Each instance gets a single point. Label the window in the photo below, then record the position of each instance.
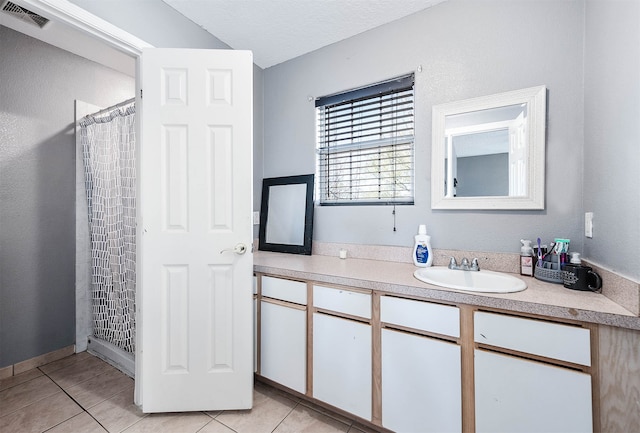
(365, 145)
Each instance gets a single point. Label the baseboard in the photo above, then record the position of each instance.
(37, 361)
(112, 354)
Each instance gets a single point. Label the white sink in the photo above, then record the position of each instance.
(470, 281)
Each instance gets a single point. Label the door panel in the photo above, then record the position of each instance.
(194, 339)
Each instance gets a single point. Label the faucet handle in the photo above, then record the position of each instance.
(474, 264)
(452, 263)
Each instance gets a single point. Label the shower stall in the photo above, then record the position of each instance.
(106, 224)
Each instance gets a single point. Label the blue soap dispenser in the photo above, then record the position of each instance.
(422, 252)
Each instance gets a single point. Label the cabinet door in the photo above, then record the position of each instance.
(283, 346)
(517, 395)
(342, 364)
(421, 384)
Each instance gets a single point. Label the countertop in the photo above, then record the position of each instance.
(540, 298)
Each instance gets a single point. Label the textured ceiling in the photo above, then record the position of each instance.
(279, 30)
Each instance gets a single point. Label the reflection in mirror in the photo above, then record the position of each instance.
(488, 153)
(485, 152)
(286, 216)
(285, 220)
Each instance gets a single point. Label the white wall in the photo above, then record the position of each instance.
(467, 48)
(612, 133)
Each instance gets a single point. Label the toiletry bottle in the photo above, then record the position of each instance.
(575, 258)
(526, 258)
(422, 252)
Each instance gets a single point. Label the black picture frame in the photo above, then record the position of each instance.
(299, 202)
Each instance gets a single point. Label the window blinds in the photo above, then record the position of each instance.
(365, 145)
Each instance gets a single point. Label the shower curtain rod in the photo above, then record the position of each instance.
(113, 107)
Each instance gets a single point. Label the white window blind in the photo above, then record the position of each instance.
(365, 145)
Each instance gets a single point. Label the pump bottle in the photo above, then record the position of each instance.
(526, 258)
(422, 252)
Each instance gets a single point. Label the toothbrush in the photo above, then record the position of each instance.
(550, 250)
(539, 250)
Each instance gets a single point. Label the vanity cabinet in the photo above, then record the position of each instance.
(528, 375)
(283, 332)
(413, 365)
(420, 375)
(342, 374)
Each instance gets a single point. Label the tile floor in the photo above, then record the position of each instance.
(83, 394)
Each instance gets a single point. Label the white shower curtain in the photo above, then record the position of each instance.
(108, 143)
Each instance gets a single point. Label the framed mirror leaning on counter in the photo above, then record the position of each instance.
(286, 214)
(489, 152)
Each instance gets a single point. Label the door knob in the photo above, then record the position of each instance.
(238, 249)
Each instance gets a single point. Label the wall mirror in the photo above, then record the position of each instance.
(489, 152)
(286, 214)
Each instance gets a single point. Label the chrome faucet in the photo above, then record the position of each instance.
(464, 266)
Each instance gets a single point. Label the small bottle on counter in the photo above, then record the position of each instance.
(422, 253)
(526, 258)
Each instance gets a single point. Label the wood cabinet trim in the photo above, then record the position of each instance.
(467, 369)
(310, 341)
(376, 362)
(409, 330)
(341, 315)
(284, 303)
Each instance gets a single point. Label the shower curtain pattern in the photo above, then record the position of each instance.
(108, 144)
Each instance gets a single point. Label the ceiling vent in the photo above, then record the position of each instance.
(24, 14)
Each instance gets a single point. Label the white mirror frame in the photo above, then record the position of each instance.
(536, 100)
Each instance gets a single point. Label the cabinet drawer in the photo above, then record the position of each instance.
(553, 340)
(342, 301)
(425, 316)
(285, 290)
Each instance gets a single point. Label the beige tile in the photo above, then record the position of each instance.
(82, 423)
(65, 362)
(26, 393)
(99, 388)
(118, 412)
(269, 409)
(215, 427)
(190, 422)
(32, 363)
(303, 419)
(19, 378)
(41, 415)
(79, 372)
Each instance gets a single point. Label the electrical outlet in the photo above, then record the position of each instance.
(256, 217)
(588, 224)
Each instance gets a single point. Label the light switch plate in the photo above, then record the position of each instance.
(588, 224)
(256, 217)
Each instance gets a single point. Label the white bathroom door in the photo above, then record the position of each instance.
(194, 319)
